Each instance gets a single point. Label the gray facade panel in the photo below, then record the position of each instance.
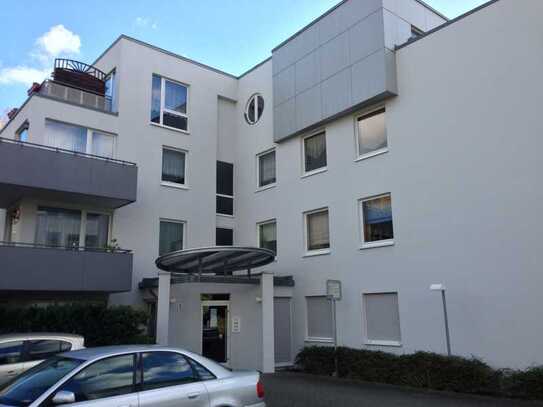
(336, 93)
(284, 85)
(308, 107)
(63, 176)
(334, 56)
(366, 37)
(47, 269)
(307, 72)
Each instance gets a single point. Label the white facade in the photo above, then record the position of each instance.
(460, 167)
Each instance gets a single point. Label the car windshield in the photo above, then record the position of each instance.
(28, 386)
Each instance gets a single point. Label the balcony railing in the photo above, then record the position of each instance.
(74, 248)
(62, 150)
(71, 94)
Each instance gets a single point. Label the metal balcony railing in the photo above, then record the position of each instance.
(81, 67)
(75, 248)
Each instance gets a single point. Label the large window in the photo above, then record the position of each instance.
(319, 319)
(171, 236)
(79, 139)
(169, 103)
(163, 369)
(64, 228)
(314, 153)
(106, 378)
(372, 134)
(317, 231)
(382, 319)
(377, 227)
(173, 166)
(225, 188)
(266, 169)
(267, 235)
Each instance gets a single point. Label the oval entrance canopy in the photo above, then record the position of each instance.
(215, 260)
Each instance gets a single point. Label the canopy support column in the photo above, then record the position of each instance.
(268, 333)
(163, 308)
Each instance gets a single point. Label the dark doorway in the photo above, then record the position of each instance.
(214, 331)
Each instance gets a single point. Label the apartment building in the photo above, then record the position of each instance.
(381, 145)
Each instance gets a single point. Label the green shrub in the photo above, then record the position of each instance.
(423, 370)
(98, 324)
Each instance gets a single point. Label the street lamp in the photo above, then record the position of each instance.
(441, 287)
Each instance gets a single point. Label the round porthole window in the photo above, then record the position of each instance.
(254, 108)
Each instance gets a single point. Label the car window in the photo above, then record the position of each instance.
(10, 352)
(109, 377)
(161, 369)
(202, 372)
(30, 385)
(45, 348)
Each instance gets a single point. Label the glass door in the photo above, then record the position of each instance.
(215, 331)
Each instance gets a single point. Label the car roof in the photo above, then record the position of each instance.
(39, 335)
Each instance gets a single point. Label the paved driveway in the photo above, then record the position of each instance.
(300, 390)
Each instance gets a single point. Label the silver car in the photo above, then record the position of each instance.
(132, 376)
(20, 352)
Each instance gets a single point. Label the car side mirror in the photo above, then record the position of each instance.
(64, 397)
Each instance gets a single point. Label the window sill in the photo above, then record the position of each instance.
(169, 128)
(319, 340)
(395, 344)
(265, 187)
(372, 154)
(373, 245)
(174, 185)
(224, 215)
(314, 172)
(317, 253)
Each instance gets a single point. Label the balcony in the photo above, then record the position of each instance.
(29, 170)
(30, 267)
(59, 91)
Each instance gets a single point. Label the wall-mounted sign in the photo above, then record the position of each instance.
(236, 325)
(333, 289)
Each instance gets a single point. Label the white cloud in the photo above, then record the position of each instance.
(58, 41)
(23, 75)
(144, 22)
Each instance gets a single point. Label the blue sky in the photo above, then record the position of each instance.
(232, 35)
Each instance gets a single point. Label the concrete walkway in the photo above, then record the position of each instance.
(301, 390)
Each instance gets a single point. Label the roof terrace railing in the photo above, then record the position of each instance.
(64, 151)
(77, 66)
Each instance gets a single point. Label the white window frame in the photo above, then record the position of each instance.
(170, 220)
(268, 186)
(317, 252)
(379, 243)
(83, 225)
(173, 112)
(246, 112)
(175, 184)
(361, 157)
(318, 170)
(88, 143)
(314, 338)
(263, 223)
(379, 342)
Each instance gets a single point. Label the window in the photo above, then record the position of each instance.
(79, 139)
(254, 109)
(10, 352)
(266, 169)
(111, 92)
(267, 235)
(45, 348)
(225, 188)
(317, 231)
(171, 236)
(224, 237)
(314, 153)
(22, 132)
(319, 319)
(162, 369)
(382, 319)
(372, 135)
(377, 221)
(58, 227)
(169, 103)
(109, 377)
(97, 230)
(173, 166)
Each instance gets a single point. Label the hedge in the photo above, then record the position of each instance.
(98, 324)
(423, 370)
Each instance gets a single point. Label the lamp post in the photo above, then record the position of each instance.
(441, 287)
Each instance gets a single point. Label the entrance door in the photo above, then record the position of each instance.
(282, 328)
(215, 330)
